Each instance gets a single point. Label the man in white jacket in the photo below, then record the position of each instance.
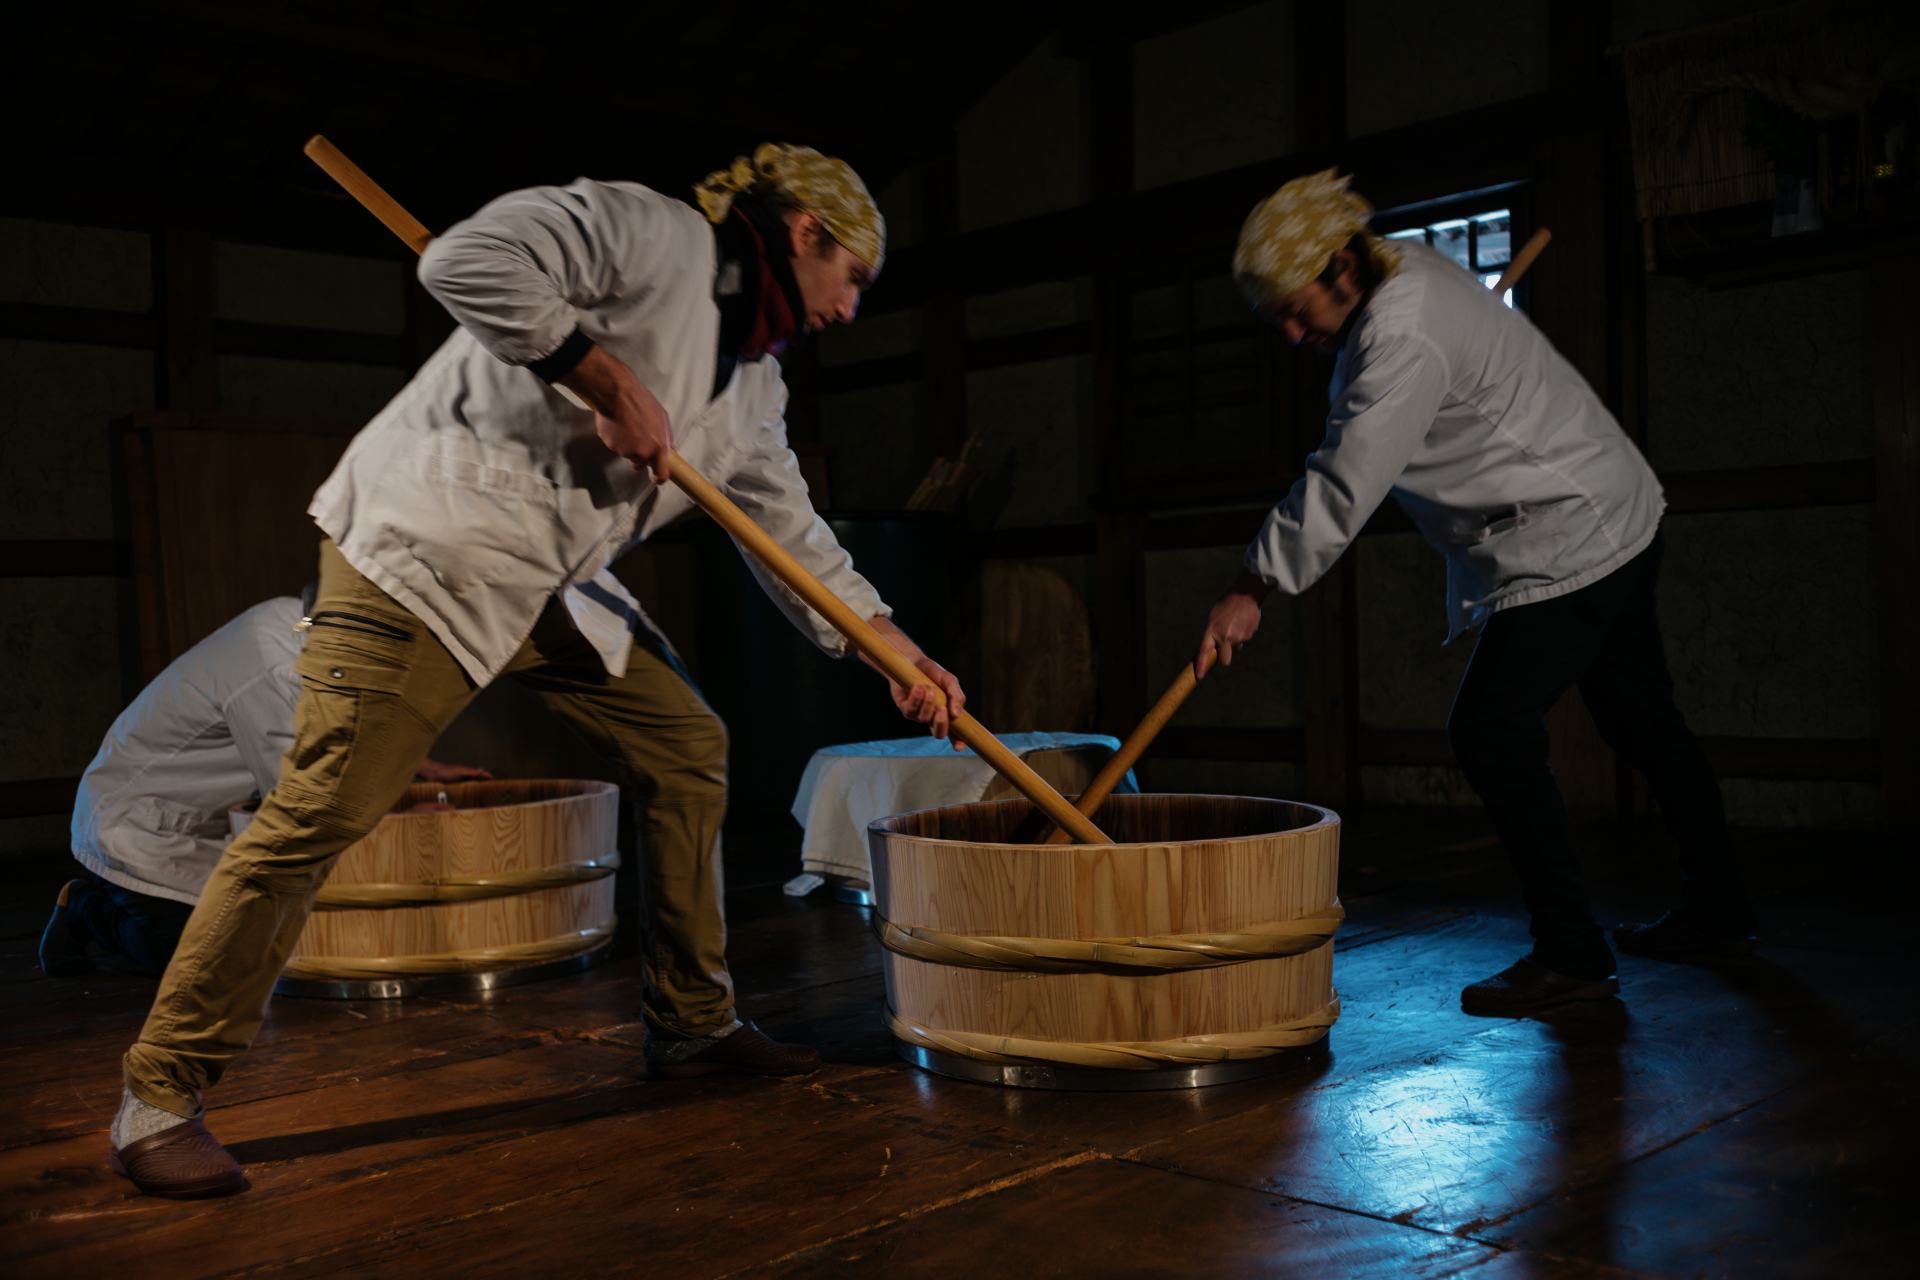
(150, 817)
(456, 521)
(1549, 520)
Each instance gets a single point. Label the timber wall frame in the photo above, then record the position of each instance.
(1564, 148)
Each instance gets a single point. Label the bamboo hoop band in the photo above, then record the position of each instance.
(474, 960)
(1156, 954)
(1124, 1055)
(504, 884)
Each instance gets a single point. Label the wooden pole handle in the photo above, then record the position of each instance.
(1132, 749)
(858, 631)
(1184, 684)
(1522, 260)
(368, 192)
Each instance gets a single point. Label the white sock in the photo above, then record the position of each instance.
(137, 1120)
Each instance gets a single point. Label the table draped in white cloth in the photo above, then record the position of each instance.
(846, 787)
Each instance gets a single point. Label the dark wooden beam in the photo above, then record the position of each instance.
(977, 354)
(96, 326)
(1035, 542)
(183, 291)
(1788, 759)
(1894, 307)
(1485, 147)
(1120, 591)
(37, 797)
(1813, 484)
(64, 558)
(296, 342)
(943, 320)
(1328, 675)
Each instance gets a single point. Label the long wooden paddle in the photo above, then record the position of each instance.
(1183, 684)
(736, 522)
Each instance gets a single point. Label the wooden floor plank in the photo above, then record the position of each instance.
(1486, 1126)
(472, 1161)
(1115, 1219)
(1735, 1120)
(1810, 1182)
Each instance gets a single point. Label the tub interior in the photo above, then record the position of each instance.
(1128, 819)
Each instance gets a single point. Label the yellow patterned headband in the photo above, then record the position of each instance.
(823, 186)
(1287, 239)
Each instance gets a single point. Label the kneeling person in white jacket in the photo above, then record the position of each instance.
(150, 819)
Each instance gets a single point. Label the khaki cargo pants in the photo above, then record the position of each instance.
(379, 688)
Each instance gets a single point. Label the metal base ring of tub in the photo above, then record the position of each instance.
(441, 984)
(1042, 1075)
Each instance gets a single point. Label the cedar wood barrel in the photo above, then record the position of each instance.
(516, 880)
(1197, 948)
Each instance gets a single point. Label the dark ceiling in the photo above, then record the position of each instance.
(194, 113)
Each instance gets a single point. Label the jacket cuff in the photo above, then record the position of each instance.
(564, 358)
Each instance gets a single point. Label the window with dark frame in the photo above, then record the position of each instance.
(1481, 242)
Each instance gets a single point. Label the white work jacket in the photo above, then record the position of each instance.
(479, 491)
(208, 733)
(1500, 452)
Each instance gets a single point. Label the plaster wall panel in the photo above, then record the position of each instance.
(1409, 61)
(1407, 676)
(1213, 96)
(60, 637)
(1768, 374)
(1258, 690)
(306, 388)
(1416, 786)
(1023, 145)
(1788, 803)
(54, 264)
(1051, 305)
(1770, 622)
(890, 333)
(873, 458)
(56, 400)
(313, 290)
(1034, 464)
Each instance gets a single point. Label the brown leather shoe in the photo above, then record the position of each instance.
(746, 1052)
(1527, 986)
(182, 1163)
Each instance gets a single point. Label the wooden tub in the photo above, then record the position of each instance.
(1197, 949)
(514, 883)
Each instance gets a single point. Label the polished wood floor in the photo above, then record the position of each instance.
(1752, 1119)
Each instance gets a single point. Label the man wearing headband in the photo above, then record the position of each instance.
(465, 527)
(1549, 520)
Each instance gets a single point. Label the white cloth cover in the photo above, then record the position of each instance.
(846, 787)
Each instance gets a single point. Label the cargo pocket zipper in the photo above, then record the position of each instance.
(354, 622)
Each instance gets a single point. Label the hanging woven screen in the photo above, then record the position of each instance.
(1699, 101)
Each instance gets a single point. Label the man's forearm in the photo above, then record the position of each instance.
(894, 636)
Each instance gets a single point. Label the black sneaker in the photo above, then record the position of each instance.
(1526, 986)
(1683, 935)
(63, 952)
